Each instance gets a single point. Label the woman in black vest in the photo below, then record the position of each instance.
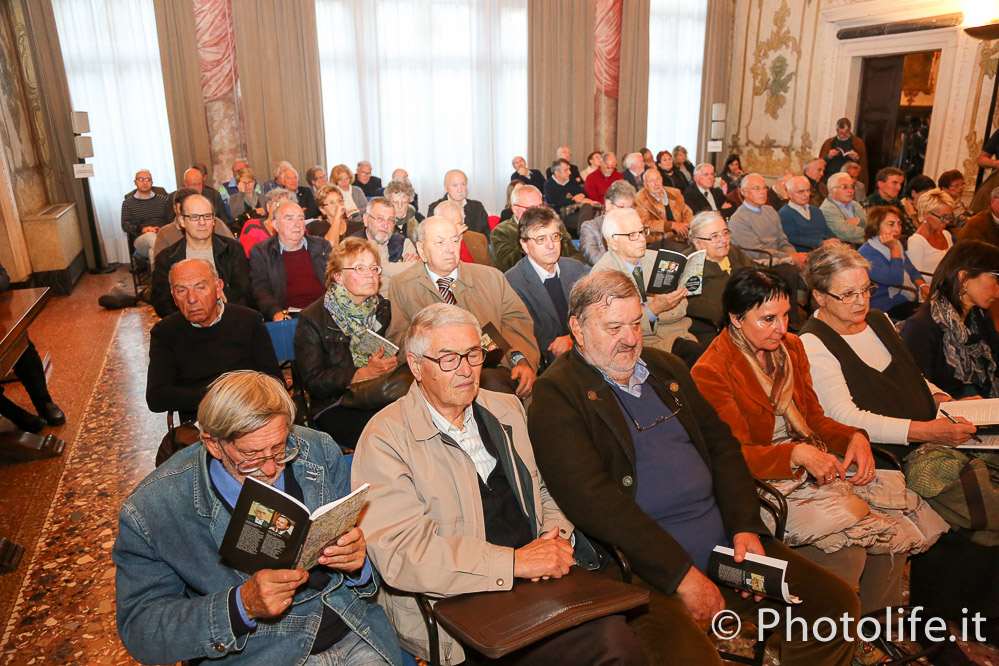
(862, 372)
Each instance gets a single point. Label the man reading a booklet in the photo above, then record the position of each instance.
(456, 504)
(179, 600)
(639, 460)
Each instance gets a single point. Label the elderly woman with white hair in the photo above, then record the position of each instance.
(845, 217)
(935, 212)
(709, 232)
(407, 218)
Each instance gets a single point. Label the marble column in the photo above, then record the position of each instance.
(606, 72)
(220, 85)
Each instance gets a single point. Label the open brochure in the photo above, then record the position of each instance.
(371, 342)
(758, 574)
(270, 529)
(673, 270)
(983, 413)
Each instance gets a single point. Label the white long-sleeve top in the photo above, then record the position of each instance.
(834, 395)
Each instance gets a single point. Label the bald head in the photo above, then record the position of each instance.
(456, 184)
(194, 179)
(438, 244)
(451, 210)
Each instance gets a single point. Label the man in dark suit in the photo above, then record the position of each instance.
(664, 491)
(369, 184)
(526, 176)
(456, 186)
(703, 195)
(288, 179)
(543, 279)
(634, 169)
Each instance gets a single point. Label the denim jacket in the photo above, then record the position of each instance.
(172, 589)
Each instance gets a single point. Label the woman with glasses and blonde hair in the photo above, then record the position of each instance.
(709, 232)
(330, 350)
(935, 212)
(332, 222)
(897, 285)
(756, 375)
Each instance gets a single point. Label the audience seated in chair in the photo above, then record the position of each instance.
(246, 202)
(663, 211)
(927, 247)
(598, 182)
(202, 340)
(952, 182)
(898, 286)
(671, 175)
(353, 196)
(200, 242)
(31, 373)
(474, 246)
(525, 175)
(456, 504)
(456, 189)
(395, 251)
(543, 279)
(888, 185)
(684, 490)
(985, 225)
(315, 178)
(505, 236)
(591, 237)
(952, 336)
(194, 178)
(703, 195)
(916, 187)
(288, 270)
(709, 232)
(755, 374)
(143, 213)
(400, 193)
(330, 332)
(402, 174)
(815, 169)
(565, 153)
(804, 224)
(777, 195)
(845, 218)
(230, 187)
(664, 322)
(332, 223)
(177, 600)
(481, 290)
(369, 184)
(173, 232)
(262, 228)
(300, 194)
(272, 183)
(567, 198)
(634, 169)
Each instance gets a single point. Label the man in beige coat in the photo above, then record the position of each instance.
(665, 324)
(456, 504)
(482, 290)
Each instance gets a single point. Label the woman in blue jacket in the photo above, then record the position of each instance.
(899, 283)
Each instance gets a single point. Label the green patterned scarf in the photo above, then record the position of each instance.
(352, 318)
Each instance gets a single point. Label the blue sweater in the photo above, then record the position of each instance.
(804, 234)
(887, 274)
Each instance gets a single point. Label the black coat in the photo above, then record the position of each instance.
(268, 280)
(230, 262)
(698, 202)
(322, 353)
(586, 456)
(307, 200)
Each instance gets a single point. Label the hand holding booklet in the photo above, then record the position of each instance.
(372, 342)
(673, 270)
(757, 574)
(983, 413)
(270, 529)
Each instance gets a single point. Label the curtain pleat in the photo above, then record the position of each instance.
(633, 96)
(716, 73)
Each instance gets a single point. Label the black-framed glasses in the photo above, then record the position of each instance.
(251, 465)
(198, 217)
(450, 361)
(716, 238)
(635, 235)
(661, 419)
(946, 219)
(854, 296)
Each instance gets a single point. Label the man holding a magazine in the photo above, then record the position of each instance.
(179, 600)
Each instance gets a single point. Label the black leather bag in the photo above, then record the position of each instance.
(177, 438)
(372, 394)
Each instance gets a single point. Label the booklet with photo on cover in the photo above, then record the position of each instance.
(371, 342)
(673, 270)
(758, 574)
(270, 529)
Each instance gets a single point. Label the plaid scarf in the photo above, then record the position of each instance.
(352, 318)
(972, 363)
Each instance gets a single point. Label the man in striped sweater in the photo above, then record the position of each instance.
(143, 212)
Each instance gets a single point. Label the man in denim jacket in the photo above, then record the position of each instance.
(178, 601)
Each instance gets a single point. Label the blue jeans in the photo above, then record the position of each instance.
(349, 651)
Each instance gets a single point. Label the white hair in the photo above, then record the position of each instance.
(611, 224)
(703, 219)
(433, 317)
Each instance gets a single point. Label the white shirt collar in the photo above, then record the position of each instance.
(542, 273)
(463, 201)
(434, 277)
(217, 319)
(804, 210)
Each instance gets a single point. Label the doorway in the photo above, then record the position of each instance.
(894, 109)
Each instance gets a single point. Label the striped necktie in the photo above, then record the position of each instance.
(640, 281)
(444, 286)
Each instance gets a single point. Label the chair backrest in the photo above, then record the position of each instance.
(283, 338)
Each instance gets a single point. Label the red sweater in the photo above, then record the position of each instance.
(303, 287)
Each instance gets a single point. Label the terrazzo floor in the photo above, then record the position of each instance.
(58, 607)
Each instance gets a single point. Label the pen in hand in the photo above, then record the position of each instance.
(953, 420)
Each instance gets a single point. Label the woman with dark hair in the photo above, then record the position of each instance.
(952, 182)
(592, 164)
(732, 173)
(952, 336)
(913, 191)
(897, 284)
(756, 375)
(671, 175)
(329, 351)
(683, 164)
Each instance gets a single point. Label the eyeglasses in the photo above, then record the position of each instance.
(382, 219)
(944, 218)
(450, 361)
(635, 235)
(198, 217)
(556, 237)
(251, 465)
(854, 296)
(716, 238)
(363, 270)
(758, 188)
(845, 187)
(144, 180)
(661, 419)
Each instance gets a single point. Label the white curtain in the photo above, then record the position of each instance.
(112, 63)
(676, 48)
(427, 86)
